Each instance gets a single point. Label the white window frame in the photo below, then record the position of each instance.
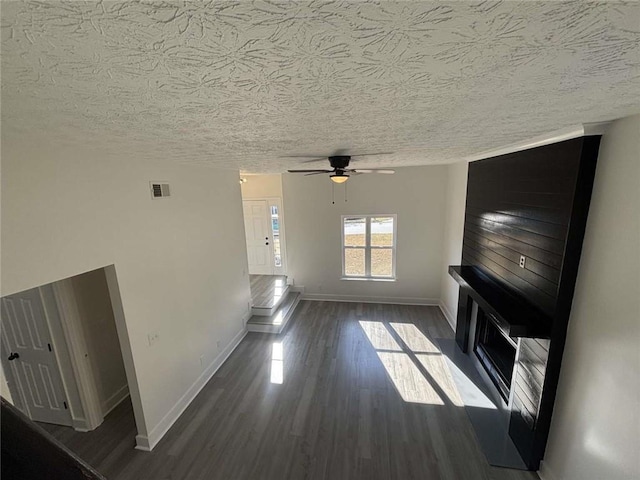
(368, 247)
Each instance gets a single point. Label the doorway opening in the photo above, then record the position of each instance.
(66, 356)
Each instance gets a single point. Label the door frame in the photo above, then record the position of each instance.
(77, 349)
(68, 339)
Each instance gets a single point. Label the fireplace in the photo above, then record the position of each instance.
(496, 352)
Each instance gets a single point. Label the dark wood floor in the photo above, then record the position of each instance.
(363, 393)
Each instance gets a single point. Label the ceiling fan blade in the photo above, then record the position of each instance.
(311, 160)
(310, 171)
(387, 172)
(371, 154)
(319, 173)
(304, 156)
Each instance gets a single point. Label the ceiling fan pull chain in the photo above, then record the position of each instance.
(333, 193)
(345, 193)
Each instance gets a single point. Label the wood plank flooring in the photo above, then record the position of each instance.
(348, 391)
(266, 290)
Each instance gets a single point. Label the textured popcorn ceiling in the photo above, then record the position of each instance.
(240, 84)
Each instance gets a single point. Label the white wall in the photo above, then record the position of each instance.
(453, 233)
(99, 329)
(416, 195)
(262, 186)
(180, 261)
(595, 432)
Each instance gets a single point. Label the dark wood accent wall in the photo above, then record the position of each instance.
(532, 203)
(520, 204)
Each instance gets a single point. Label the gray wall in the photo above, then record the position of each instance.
(415, 194)
(181, 261)
(453, 234)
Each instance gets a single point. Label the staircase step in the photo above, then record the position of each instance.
(276, 322)
(268, 311)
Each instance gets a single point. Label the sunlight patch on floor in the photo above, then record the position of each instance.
(473, 396)
(414, 363)
(379, 336)
(437, 368)
(277, 363)
(414, 338)
(277, 320)
(408, 379)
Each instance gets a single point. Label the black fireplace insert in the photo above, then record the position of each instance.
(496, 352)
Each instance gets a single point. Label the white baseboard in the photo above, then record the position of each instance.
(142, 443)
(321, 297)
(79, 425)
(448, 315)
(297, 288)
(544, 473)
(246, 317)
(147, 443)
(114, 400)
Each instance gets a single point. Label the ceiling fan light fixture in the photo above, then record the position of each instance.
(339, 177)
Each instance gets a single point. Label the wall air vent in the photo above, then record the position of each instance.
(159, 189)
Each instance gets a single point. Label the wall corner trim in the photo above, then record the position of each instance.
(448, 315)
(544, 473)
(146, 443)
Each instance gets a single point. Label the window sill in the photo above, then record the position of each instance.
(370, 279)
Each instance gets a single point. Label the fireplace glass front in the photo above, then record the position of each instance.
(496, 352)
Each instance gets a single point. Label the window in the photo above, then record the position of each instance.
(275, 229)
(369, 247)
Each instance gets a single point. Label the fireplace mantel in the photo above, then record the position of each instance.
(512, 315)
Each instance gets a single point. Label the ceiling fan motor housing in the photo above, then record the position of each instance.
(340, 161)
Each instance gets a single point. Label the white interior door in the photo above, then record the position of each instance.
(31, 360)
(258, 233)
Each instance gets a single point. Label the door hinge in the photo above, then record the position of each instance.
(65, 405)
(49, 345)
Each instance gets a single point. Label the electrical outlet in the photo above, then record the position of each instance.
(218, 345)
(202, 361)
(153, 338)
(522, 260)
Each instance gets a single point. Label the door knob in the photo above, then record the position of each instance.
(13, 356)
